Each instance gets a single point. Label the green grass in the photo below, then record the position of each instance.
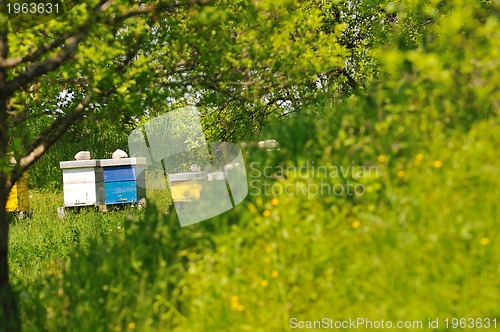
(421, 243)
(46, 238)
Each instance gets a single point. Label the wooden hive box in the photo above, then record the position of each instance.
(82, 183)
(18, 200)
(124, 180)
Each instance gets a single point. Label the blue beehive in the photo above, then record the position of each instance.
(124, 180)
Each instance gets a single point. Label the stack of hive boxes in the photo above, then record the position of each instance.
(18, 200)
(103, 182)
(124, 180)
(82, 183)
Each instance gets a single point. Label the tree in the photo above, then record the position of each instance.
(108, 61)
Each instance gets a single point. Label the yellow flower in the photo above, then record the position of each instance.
(235, 304)
(264, 283)
(131, 325)
(382, 159)
(275, 274)
(275, 201)
(419, 156)
(266, 213)
(400, 174)
(356, 224)
(269, 248)
(438, 164)
(267, 260)
(484, 241)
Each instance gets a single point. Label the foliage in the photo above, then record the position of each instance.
(217, 55)
(100, 141)
(241, 72)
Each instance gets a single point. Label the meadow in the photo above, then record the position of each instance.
(420, 242)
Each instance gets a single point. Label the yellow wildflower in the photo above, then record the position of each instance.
(275, 274)
(275, 201)
(438, 164)
(419, 156)
(356, 224)
(264, 283)
(484, 241)
(400, 174)
(131, 325)
(235, 304)
(266, 213)
(382, 159)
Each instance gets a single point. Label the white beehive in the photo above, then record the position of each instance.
(82, 183)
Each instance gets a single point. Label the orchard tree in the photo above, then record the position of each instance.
(107, 61)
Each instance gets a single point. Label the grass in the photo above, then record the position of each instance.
(421, 243)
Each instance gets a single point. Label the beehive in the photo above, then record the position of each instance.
(82, 183)
(185, 187)
(124, 180)
(18, 200)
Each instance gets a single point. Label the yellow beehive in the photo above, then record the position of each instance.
(185, 187)
(186, 191)
(18, 200)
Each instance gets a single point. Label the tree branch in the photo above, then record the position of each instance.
(46, 66)
(341, 71)
(13, 62)
(47, 138)
(351, 81)
(58, 127)
(33, 56)
(153, 8)
(64, 54)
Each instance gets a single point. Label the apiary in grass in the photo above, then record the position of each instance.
(82, 183)
(18, 200)
(124, 180)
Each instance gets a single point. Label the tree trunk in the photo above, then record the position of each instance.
(9, 314)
